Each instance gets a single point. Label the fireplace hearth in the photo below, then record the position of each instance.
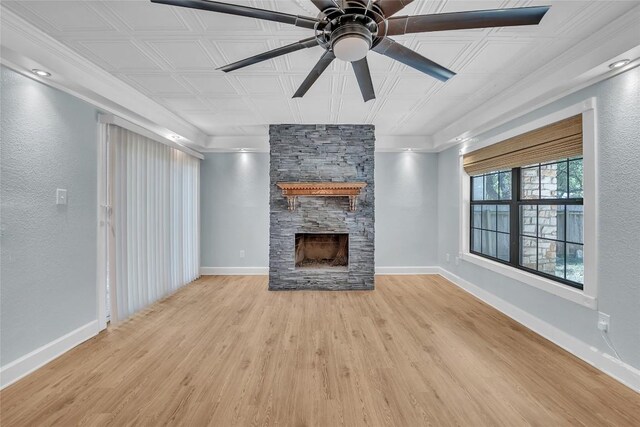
(322, 251)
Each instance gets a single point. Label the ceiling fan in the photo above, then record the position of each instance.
(348, 29)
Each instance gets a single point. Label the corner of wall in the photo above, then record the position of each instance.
(28, 363)
(615, 368)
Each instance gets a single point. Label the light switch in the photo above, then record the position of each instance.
(61, 196)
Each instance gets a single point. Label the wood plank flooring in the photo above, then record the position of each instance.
(224, 351)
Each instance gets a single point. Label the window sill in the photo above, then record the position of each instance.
(558, 289)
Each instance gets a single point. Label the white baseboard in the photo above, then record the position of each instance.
(263, 271)
(615, 368)
(387, 271)
(39, 357)
(234, 271)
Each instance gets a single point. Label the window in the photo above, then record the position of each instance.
(532, 218)
(491, 211)
(560, 258)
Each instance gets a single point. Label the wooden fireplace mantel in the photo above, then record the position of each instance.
(293, 190)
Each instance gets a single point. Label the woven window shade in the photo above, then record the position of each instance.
(553, 142)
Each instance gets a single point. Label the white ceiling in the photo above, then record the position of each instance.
(170, 54)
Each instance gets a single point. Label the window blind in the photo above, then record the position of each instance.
(154, 242)
(558, 140)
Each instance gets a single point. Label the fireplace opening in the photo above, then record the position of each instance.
(322, 250)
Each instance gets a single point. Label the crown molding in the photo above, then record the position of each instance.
(583, 65)
(396, 143)
(111, 119)
(260, 143)
(25, 47)
(232, 143)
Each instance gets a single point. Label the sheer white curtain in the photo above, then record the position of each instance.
(154, 199)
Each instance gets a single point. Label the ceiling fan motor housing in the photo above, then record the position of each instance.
(352, 37)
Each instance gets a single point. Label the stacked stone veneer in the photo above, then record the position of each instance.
(310, 153)
(544, 253)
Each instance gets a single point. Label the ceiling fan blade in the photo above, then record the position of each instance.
(325, 60)
(394, 50)
(322, 5)
(389, 7)
(251, 12)
(330, 8)
(363, 75)
(302, 44)
(465, 20)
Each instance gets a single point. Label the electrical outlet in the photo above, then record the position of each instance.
(61, 196)
(604, 320)
(448, 257)
(457, 260)
(242, 253)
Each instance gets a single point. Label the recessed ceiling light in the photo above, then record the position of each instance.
(408, 149)
(462, 139)
(618, 64)
(175, 137)
(243, 149)
(41, 73)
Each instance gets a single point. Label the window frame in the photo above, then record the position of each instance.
(586, 297)
(514, 203)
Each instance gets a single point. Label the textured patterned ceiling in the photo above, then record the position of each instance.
(170, 55)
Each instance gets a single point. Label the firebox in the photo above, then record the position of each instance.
(322, 251)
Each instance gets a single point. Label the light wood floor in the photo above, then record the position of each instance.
(224, 351)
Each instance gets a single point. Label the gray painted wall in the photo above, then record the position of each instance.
(48, 252)
(234, 190)
(406, 209)
(618, 127)
(235, 209)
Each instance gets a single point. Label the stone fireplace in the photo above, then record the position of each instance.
(322, 250)
(321, 233)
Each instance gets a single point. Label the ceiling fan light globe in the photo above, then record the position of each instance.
(351, 48)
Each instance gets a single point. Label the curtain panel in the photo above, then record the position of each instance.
(154, 240)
